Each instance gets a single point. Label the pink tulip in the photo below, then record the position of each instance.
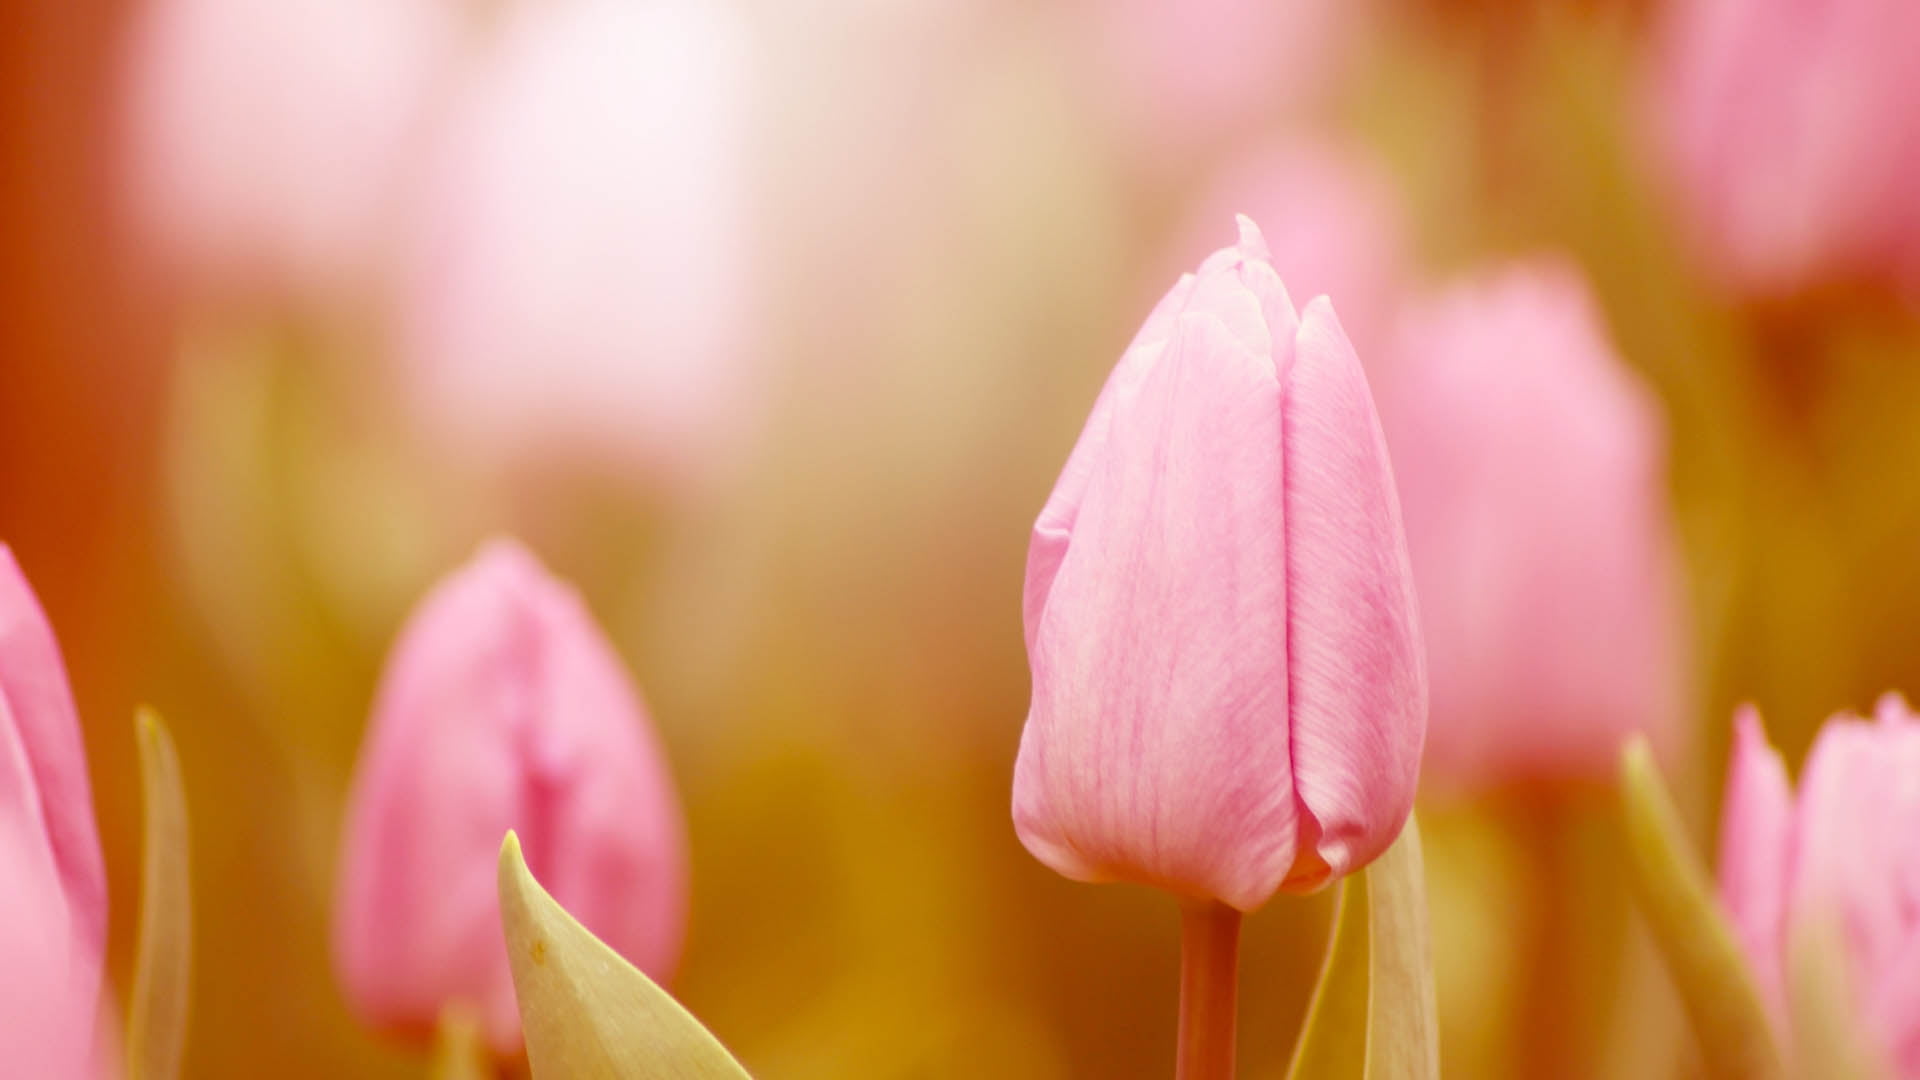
(502, 707)
(1845, 851)
(1332, 221)
(1782, 128)
(53, 935)
(1228, 684)
(269, 140)
(1533, 469)
(579, 283)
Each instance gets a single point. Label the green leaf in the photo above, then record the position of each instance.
(1373, 1015)
(157, 1010)
(1675, 893)
(587, 1013)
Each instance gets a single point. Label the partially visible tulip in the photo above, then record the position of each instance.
(1845, 850)
(53, 924)
(1332, 221)
(502, 707)
(268, 143)
(1177, 81)
(579, 281)
(1229, 690)
(1532, 467)
(1781, 128)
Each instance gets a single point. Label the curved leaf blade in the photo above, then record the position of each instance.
(157, 1009)
(1373, 1015)
(1676, 894)
(587, 1013)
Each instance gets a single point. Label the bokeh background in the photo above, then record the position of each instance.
(861, 267)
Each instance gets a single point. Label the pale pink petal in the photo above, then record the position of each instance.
(1355, 661)
(33, 679)
(1756, 831)
(1157, 745)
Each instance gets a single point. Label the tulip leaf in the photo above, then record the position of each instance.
(157, 1009)
(587, 1013)
(1692, 933)
(1373, 1015)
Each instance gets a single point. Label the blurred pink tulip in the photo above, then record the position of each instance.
(502, 707)
(1532, 467)
(1228, 683)
(269, 142)
(1845, 850)
(53, 936)
(1181, 79)
(1783, 128)
(580, 278)
(1331, 218)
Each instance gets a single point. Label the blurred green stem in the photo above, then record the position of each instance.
(458, 1051)
(1209, 985)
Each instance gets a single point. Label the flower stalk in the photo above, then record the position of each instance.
(1209, 989)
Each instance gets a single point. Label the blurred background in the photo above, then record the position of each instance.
(770, 325)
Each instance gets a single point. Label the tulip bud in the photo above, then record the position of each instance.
(1844, 852)
(502, 707)
(1532, 468)
(1229, 691)
(1781, 130)
(53, 927)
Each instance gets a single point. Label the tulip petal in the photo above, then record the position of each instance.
(1358, 684)
(1374, 1013)
(1756, 827)
(587, 1013)
(33, 679)
(1692, 933)
(1156, 747)
(157, 1008)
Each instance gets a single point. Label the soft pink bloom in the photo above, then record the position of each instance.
(1785, 131)
(1228, 683)
(269, 140)
(1532, 467)
(1177, 80)
(53, 935)
(579, 280)
(1332, 220)
(502, 707)
(1848, 849)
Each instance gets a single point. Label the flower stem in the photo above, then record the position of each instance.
(1209, 983)
(458, 1052)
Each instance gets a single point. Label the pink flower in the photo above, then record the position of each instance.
(579, 283)
(1331, 218)
(1228, 684)
(1533, 472)
(1783, 130)
(502, 707)
(268, 142)
(53, 936)
(1845, 850)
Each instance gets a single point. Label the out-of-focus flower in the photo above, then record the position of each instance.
(1332, 221)
(1229, 690)
(1532, 468)
(54, 929)
(502, 707)
(1178, 80)
(1843, 851)
(579, 283)
(1783, 129)
(268, 143)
